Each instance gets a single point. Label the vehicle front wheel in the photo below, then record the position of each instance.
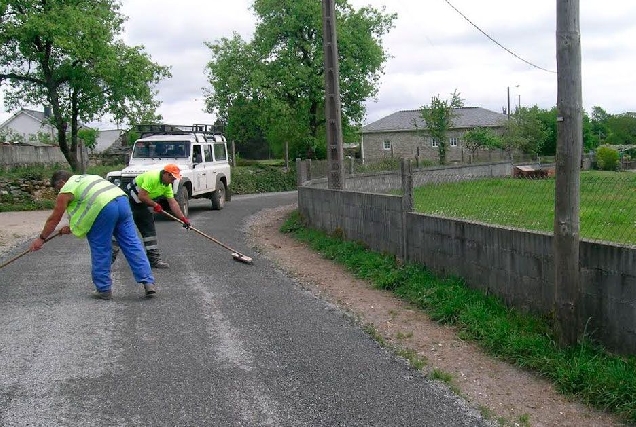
(182, 200)
(218, 198)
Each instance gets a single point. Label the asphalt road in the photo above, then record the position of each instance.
(223, 343)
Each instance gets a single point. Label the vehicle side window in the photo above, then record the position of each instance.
(207, 153)
(196, 154)
(220, 152)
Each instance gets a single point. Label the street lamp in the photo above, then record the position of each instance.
(519, 105)
(509, 100)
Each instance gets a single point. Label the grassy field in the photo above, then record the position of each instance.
(607, 209)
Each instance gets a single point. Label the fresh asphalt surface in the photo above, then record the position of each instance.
(222, 344)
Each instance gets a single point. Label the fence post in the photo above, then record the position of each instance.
(407, 203)
(301, 172)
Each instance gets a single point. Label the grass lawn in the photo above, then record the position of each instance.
(607, 209)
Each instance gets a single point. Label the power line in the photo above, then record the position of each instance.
(496, 42)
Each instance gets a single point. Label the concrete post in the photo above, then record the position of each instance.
(301, 173)
(407, 203)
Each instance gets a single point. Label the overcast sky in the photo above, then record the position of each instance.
(433, 49)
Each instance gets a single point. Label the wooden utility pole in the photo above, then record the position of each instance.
(568, 156)
(335, 177)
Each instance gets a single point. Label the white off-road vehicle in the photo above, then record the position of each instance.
(200, 151)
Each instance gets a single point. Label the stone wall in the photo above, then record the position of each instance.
(25, 190)
(410, 144)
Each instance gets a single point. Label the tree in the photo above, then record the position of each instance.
(63, 53)
(599, 118)
(480, 137)
(89, 137)
(548, 119)
(438, 117)
(525, 132)
(281, 71)
(621, 129)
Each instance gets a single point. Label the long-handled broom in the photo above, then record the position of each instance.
(235, 254)
(26, 252)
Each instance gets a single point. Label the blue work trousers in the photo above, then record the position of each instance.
(115, 220)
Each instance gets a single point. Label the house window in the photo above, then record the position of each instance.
(453, 141)
(387, 144)
(434, 143)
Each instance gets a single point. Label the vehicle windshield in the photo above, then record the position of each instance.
(159, 149)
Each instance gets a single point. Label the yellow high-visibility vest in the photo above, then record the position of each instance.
(90, 194)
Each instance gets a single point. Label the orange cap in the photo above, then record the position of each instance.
(173, 170)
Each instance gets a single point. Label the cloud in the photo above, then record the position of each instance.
(434, 50)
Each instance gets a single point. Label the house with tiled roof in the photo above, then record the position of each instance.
(24, 126)
(404, 135)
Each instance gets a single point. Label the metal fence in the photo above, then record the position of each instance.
(607, 210)
(523, 199)
(355, 166)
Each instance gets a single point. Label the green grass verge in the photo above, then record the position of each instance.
(586, 371)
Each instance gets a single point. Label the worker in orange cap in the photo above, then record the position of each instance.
(142, 193)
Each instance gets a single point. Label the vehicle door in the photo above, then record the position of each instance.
(209, 167)
(199, 173)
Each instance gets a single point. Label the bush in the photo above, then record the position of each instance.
(607, 158)
(262, 178)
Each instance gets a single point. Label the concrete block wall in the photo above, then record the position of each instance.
(384, 182)
(516, 265)
(22, 155)
(513, 264)
(374, 219)
(460, 173)
(608, 281)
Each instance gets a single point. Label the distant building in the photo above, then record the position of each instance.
(25, 125)
(106, 139)
(404, 134)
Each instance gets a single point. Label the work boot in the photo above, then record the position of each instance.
(155, 259)
(159, 264)
(150, 290)
(106, 295)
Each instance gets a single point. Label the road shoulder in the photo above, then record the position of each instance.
(499, 389)
(20, 227)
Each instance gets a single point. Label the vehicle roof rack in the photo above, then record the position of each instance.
(164, 129)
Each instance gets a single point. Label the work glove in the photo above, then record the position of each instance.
(157, 208)
(186, 222)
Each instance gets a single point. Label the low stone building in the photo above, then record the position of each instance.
(404, 134)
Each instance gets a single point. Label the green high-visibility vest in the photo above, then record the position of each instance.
(90, 194)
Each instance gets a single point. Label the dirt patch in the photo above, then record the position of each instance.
(499, 389)
(19, 227)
